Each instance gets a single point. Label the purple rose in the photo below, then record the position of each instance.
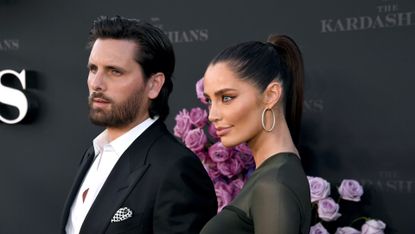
(350, 190)
(347, 230)
(212, 132)
(198, 117)
(219, 153)
(247, 159)
(195, 140)
(183, 124)
(211, 168)
(328, 209)
(231, 167)
(214, 173)
(202, 155)
(223, 194)
(318, 229)
(319, 188)
(199, 91)
(373, 227)
(243, 148)
(237, 185)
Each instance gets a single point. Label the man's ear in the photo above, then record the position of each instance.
(154, 85)
(272, 94)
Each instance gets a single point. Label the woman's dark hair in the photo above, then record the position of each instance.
(154, 54)
(261, 63)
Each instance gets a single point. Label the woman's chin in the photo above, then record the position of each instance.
(228, 143)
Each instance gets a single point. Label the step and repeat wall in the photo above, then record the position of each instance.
(358, 120)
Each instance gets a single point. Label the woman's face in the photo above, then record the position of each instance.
(235, 105)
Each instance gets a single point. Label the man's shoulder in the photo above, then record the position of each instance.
(164, 144)
(167, 142)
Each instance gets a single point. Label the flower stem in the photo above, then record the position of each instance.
(360, 218)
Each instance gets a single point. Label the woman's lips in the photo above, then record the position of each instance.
(221, 131)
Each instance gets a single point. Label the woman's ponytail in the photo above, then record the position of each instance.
(292, 60)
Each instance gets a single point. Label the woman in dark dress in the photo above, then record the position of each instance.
(255, 95)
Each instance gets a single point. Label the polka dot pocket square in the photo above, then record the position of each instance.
(121, 215)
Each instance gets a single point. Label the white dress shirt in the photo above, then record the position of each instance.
(106, 156)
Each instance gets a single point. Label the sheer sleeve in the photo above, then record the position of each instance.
(275, 209)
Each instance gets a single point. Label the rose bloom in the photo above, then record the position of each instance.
(231, 167)
(347, 230)
(200, 90)
(195, 140)
(219, 153)
(319, 188)
(198, 117)
(247, 159)
(373, 227)
(243, 148)
(328, 209)
(223, 194)
(212, 132)
(214, 173)
(183, 124)
(202, 155)
(318, 229)
(350, 190)
(211, 168)
(237, 185)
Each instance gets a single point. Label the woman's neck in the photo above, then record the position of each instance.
(267, 144)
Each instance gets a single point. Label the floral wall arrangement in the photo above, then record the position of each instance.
(328, 210)
(229, 168)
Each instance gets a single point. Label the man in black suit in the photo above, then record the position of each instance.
(136, 178)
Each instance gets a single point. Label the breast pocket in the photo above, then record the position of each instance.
(132, 225)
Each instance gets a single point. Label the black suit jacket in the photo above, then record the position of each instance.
(161, 181)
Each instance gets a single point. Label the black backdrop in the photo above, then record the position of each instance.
(358, 119)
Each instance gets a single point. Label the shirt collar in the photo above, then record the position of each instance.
(121, 143)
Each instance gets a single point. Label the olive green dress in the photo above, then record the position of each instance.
(275, 199)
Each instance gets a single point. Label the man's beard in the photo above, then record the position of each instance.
(120, 114)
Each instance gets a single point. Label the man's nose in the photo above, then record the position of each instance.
(96, 81)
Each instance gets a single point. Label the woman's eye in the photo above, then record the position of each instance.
(208, 101)
(226, 98)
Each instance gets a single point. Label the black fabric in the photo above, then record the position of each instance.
(161, 181)
(276, 199)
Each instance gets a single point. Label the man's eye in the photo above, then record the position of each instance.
(116, 72)
(92, 69)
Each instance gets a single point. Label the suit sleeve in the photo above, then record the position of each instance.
(186, 199)
(275, 209)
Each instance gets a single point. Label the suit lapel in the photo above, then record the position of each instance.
(85, 164)
(129, 169)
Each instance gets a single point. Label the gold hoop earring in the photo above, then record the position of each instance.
(263, 119)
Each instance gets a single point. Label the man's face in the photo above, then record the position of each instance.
(117, 90)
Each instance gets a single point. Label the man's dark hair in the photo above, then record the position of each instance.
(154, 54)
